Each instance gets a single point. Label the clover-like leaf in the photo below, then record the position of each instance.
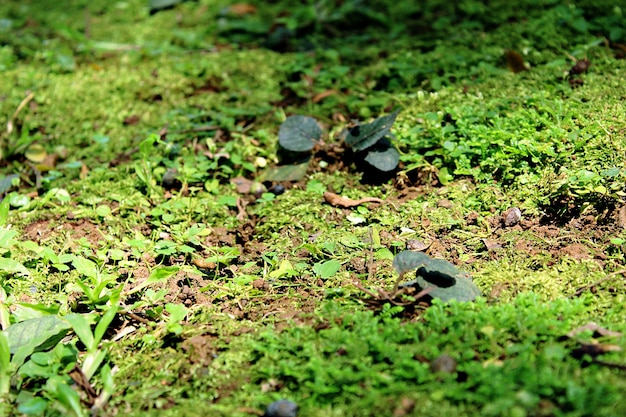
(366, 135)
(299, 133)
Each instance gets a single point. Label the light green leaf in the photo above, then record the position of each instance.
(82, 329)
(70, 399)
(32, 335)
(327, 269)
(85, 267)
(11, 267)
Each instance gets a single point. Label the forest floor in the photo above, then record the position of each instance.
(164, 254)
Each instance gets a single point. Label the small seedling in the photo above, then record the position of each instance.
(370, 144)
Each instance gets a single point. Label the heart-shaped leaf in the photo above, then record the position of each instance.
(364, 136)
(299, 133)
(450, 283)
(463, 289)
(383, 156)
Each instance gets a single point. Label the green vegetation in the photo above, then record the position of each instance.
(160, 254)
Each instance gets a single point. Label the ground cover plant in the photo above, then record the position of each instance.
(331, 208)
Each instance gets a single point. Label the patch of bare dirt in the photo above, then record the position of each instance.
(48, 229)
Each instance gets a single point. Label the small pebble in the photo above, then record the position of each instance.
(277, 189)
(444, 363)
(416, 245)
(170, 180)
(281, 408)
(512, 216)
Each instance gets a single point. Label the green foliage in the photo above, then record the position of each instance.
(364, 362)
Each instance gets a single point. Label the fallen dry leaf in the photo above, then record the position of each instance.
(597, 330)
(241, 9)
(594, 350)
(515, 61)
(339, 201)
(321, 96)
(491, 244)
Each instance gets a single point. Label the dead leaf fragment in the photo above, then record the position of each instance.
(621, 217)
(339, 201)
(515, 61)
(405, 407)
(491, 244)
(241, 9)
(443, 364)
(131, 120)
(416, 245)
(242, 185)
(321, 96)
(580, 67)
(594, 350)
(598, 331)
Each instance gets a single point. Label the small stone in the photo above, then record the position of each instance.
(281, 408)
(170, 180)
(512, 216)
(278, 189)
(444, 363)
(260, 284)
(416, 245)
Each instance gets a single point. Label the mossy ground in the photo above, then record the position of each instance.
(222, 305)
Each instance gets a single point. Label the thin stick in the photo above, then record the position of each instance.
(362, 288)
(598, 282)
(24, 102)
(136, 317)
(370, 262)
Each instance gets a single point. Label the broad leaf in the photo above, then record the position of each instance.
(299, 133)
(33, 335)
(407, 261)
(463, 289)
(384, 157)
(327, 269)
(450, 282)
(86, 267)
(364, 136)
(12, 267)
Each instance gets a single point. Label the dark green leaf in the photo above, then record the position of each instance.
(450, 282)
(7, 182)
(383, 158)
(463, 289)
(158, 5)
(299, 133)
(366, 135)
(407, 261)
